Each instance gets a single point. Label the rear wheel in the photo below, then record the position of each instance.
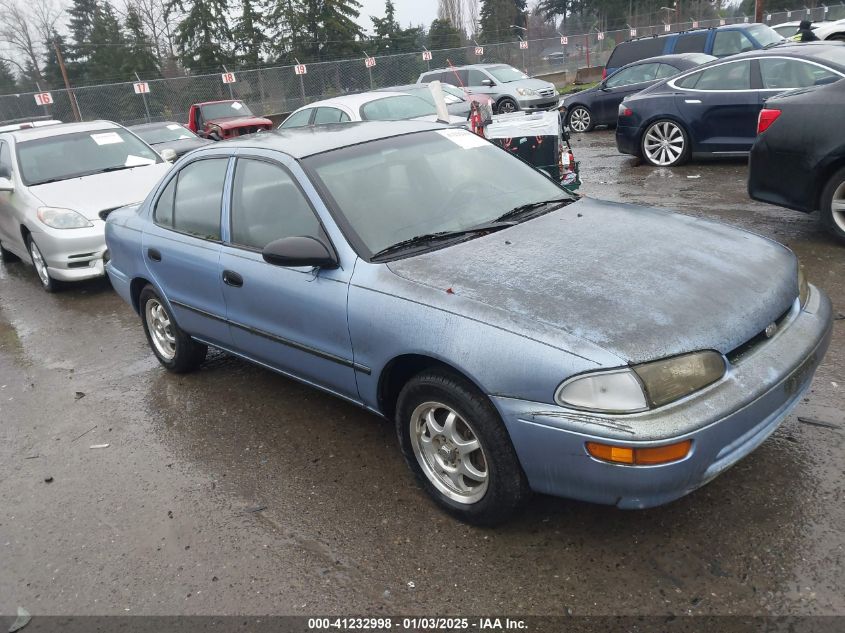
(833, 204)
(506, 106)
(47, 282)
(665, 144)
(457, 446)
(174, 349)
(580, 119)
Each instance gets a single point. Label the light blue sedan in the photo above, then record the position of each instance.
(521, 338)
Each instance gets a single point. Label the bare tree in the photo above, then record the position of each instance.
(452, 11)
(157, 16)
(25, 29)
(471, 7)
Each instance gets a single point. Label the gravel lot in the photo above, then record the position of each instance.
(236, 491)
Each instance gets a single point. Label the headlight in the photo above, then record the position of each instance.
(58, 218)
(642, 387)
(803, 286)
(526, 92)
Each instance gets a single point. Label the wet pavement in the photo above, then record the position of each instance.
(236, 491)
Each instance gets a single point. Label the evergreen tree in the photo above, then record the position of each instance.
(141, 57)
(203, 37)
(443, 35)
(82, 14)
(386, 30)
(109, 52)
(8, 81)
(497, 16)
(338, 29)
(249, 34)
(52, 72)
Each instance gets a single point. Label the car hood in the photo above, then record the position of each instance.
(89, 195)
(230, 122)
(182, 146)
(641, 283)
(535, 84)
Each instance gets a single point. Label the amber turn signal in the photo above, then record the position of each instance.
(640, 456)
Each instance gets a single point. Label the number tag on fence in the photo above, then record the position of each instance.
(479, 51)
(695, 24)
(426, 56)
(564, 40)
(722, 22)
(141, 87)
(523, 44)
(300, 69)
(633, 32)
(600, 37)
(43, 98)
(228, 78)
(369, 62)
(667, 27)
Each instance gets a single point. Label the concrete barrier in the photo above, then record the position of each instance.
(588, 75)
(559, 79)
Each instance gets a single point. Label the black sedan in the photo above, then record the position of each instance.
(798, 160)
(169, 135)
(598, 105)
(712, 110)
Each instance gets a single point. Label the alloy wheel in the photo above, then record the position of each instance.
(507, 106)
(161, 331)
(664, 143)
(449, 452)
(39, 263)
(837, 206)
(579, 120)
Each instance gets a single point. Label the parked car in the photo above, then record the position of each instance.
(218, 120)
(789, 29)
(719, 41)
(458, 101)
(23, 124)
(429, 277)
(553, 55)
(510, 89)
(599, 105)
(798, 160)
(712, 110)
(57, 186)
(831, 30)
(169, 135)
(365, 106)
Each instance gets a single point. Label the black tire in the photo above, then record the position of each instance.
(506, 485)
(188, 354)
(506, 105)
(47, 282)
(582, 112)
(7, 257)
(832, 219)
(659, 127)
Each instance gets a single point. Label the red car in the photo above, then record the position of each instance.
(218, 120)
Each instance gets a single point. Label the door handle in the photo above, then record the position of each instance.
(154, 254)
(231, 278)
(692, 100)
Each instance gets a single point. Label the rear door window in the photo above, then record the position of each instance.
(731, 76)
(691, 43)
(475, 77)
(455, 77)
(633, 75)
(730, 43)
(195, 206)
(666, 70)
(329, 115)
(635, 50)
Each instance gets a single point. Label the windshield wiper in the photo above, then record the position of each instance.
(115, 168)
(429, 238)
(525, 208)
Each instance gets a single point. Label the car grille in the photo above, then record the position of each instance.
(736, 355)
(546, 92)
(249, 129)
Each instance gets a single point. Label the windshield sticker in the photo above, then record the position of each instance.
(237, 106)
(107, 138)
(175, 126)
(137, 161)
(463, 138)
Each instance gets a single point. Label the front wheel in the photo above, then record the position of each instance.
(580, 119)
(174, 349)
(833, 204)
(47, 282)
(506, 106)
(665, 144)
(457, 446)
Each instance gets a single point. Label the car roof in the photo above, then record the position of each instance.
(306, 141)
(355, 100)
(61, 129)
(703, 29)
(791, 48)
(155, 125)
(487, 65)
(668, 58)
(204, 103)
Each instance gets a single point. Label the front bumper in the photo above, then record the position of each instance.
(531, 104)
(725, 422)
(73, 254)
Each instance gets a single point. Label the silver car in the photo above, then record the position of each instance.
(510, 89)
(57, 186)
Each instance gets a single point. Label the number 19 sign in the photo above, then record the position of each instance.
(43, 98)
(300, 69)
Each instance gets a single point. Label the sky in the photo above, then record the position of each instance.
(408, 12)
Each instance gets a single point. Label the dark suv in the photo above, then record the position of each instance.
(720, 41)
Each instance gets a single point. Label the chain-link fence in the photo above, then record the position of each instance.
(280, 89)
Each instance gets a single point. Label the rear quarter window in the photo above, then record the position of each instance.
(691, 43)
(635, 50)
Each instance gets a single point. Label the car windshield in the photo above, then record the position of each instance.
(166, 133)
(392, 190)
(507, 74)
(81, 154)
(454, 91)
(764, 35)
(223, 110)
(396, 108)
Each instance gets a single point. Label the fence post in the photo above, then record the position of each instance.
(144, 97)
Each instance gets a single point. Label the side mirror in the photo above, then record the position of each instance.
(603, 86)
(6, 184)
(487, 82)
(299, 251)
(169, 155)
